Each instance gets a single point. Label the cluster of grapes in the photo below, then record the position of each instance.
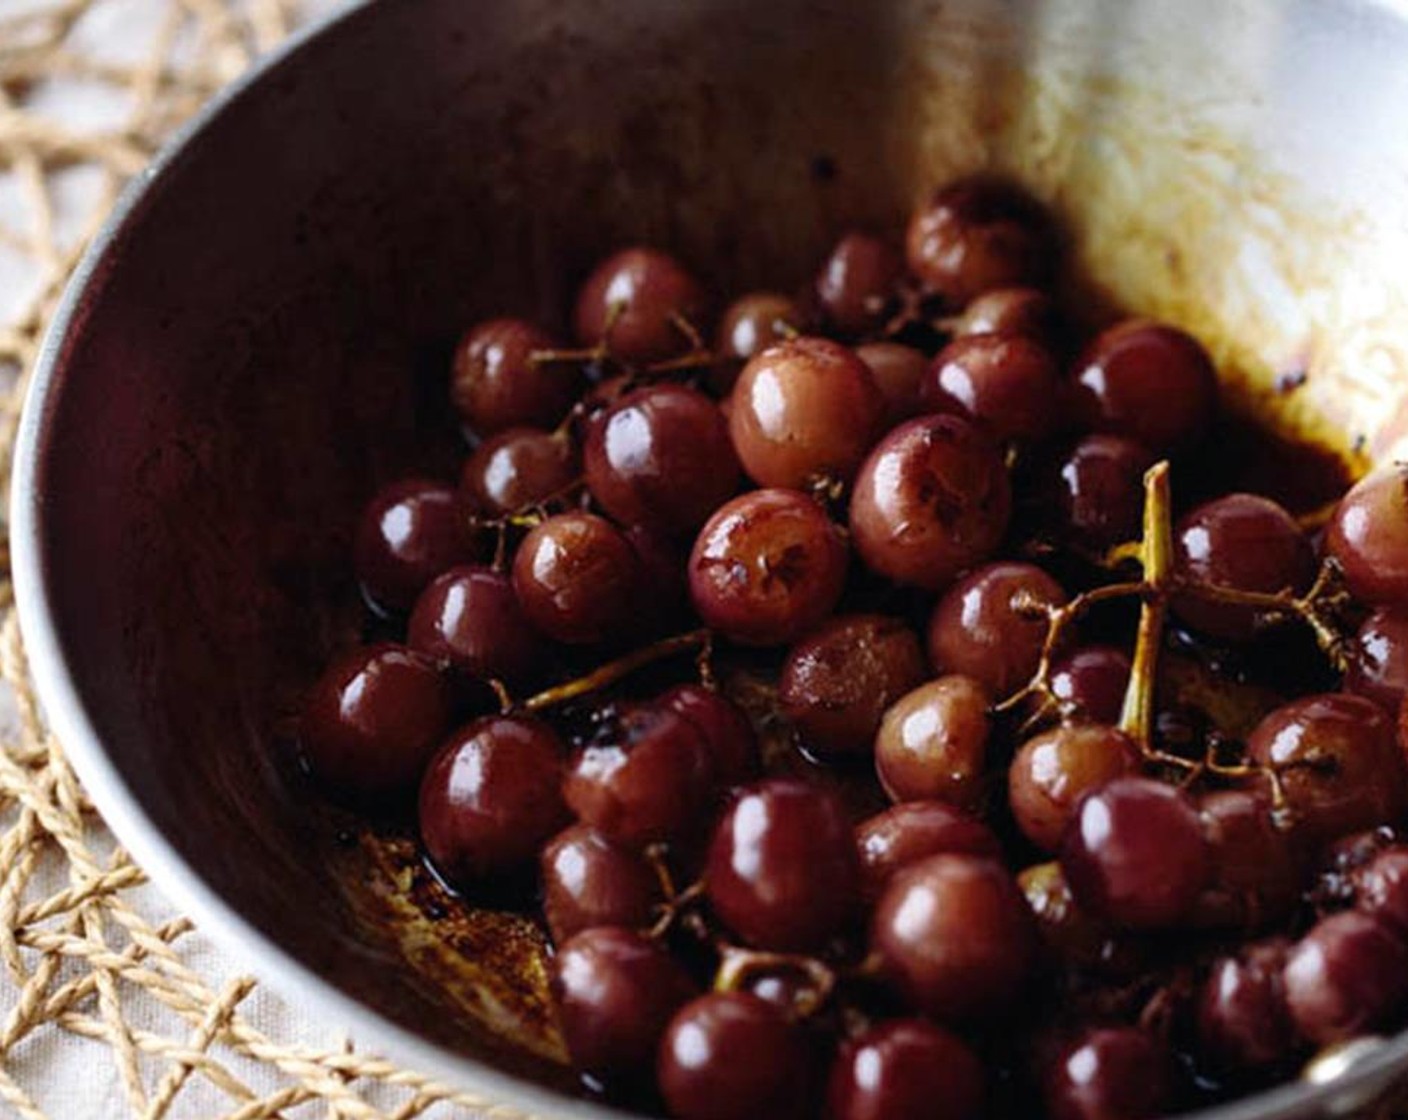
(899, 517)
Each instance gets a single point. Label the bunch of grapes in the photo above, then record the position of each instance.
(880, 735)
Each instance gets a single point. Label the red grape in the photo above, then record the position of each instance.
(767, 567)
(1008, 383)
(906, 833)
(1378, 658)
(898, 371)
(517, 469)
(725, 729)
(733, 1056)
(756, 321)
(856, 286)
(496, 385)
(1111, 1073)
(590, 882)
(1097, 491)
(1243, 1021)
(409, 533)
(1148, 381)
(661, 457)
(372, 721)
(1368, 537)
(804, 410)
(1381, 888)
(933, 742)
(837, 681)
(1091, 682)
(782, 869)
(992, 625)
(932, 499)
(954, 937)
(1256, 870)
(978, 234)
(491, 797)
(1134, 854)
(1053, 771)
(1246, 543)
(645, 777)
(1070, 936)
(1338, 761)
(577, 578)
(471, 618)
(632, 299)
(1025, 311)
(905, 1069)
(616, 992)
(1347, 976)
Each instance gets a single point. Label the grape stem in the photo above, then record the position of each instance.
(1314, 608)
(1156, 555)
(1059, 620)
(612, 671)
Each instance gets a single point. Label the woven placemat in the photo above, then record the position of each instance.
(92, 958)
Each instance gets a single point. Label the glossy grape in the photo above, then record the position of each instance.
(932, 499)
(518, 469)
(855, 288)
(1347, 976)
(1134, 854)
(646, 776)
(767, 567)
(905, 1069)
(1008, 383)
(756, 321)
(372, 721)
(409, 533)
(1256, 867)
(1244, 542)
(1381, 888)
(1242, 1019)
(616, 991)
(1110, 1073)
(590, 882)
(978, 234)
(899, 373)
(1147, 381)
(1338, 761)
(804, 410)
(632, 300)
(495, 384)
(1089, 683)
(733, 1056)
(470, 618)
(908, 832)
(661, 457)
(953, 936)
(837, 681)
(1096, 491)
(726, 731)
(1069, 935)
(1378, 658)
(782, 868)
(992, 624)
(491, 797)
(1025, 311)
(933, 743)
(1052, 772)
(576, 577)
(1368, 537)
